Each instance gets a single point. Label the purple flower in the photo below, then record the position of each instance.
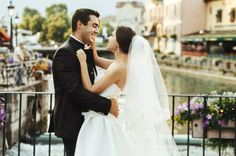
(208, 116)
(181, 108)
(2, 115)
(200, 106)
(205, 123)
(177, 112)
(220, 123)
(10, 60)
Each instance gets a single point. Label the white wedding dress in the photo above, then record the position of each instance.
(141, 128)
(102, 135)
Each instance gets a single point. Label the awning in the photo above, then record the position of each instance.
(4, 36)
(209, 37)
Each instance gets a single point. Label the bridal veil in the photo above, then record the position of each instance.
(147, 110)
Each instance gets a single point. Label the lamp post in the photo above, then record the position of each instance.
(16, 29)
(11, 10)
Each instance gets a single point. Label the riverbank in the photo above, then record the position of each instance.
(200, 73)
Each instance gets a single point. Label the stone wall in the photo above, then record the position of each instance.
(28, 102)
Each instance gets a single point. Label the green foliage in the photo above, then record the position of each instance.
(25, 22)
(220, 110)
(36, 23)
(30, 12)
(67, 34)
(32, 20)
(55, 9)
(174, 36)
(55, 27)
(57, 24)
(110, 29)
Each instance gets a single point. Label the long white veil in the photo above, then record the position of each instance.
(147, 109)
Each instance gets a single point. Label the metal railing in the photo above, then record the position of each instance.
(8, 71)
(175, 100)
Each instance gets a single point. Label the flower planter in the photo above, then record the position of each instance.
(197, 130)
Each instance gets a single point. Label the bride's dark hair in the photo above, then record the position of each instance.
(124, 37)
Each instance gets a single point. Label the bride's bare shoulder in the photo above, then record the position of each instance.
(118, 67)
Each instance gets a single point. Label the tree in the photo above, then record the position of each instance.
(55, 9)
(30, 12)
(55, 27)
(32, 20)
(57, 24)
(36, 23)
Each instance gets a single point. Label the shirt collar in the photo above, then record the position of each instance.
(85, 45)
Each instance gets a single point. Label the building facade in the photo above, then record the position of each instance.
(218, 40)
(172, 19)
(221, 15)
(130, 13)
(153, 22)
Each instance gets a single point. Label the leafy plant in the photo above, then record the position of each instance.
(219, 111)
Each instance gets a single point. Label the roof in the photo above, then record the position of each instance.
(135, 4)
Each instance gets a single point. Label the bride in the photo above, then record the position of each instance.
(135, 79)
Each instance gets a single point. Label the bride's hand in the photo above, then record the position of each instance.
(81, 56)
(93, 44)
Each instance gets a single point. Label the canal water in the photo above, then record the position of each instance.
(178, 82)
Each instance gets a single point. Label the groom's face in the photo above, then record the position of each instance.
(90, 30)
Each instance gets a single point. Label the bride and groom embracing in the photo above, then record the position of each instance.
(121, 113)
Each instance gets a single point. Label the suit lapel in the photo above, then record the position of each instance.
(76, 45)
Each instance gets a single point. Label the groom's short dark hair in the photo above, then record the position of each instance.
(83, 16)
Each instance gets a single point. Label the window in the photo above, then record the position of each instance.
(219, 16)
(232, 15)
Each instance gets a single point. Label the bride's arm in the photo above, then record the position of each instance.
(111, 76)
(100, 61)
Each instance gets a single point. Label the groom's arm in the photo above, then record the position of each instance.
(69, 78)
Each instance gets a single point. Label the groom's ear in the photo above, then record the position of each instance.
(79, 25)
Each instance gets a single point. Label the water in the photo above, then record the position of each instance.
(185, 83)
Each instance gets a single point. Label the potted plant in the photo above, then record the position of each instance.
(218, 118)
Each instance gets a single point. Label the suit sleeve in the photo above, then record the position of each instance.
(69, 77)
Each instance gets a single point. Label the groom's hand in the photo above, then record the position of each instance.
(114, 107)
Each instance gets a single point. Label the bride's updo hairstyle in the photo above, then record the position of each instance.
(124, 37)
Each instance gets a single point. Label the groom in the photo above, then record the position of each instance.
(70, 96)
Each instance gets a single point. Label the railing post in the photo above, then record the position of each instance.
(4, 127)
(219, 140)
(19, 135)
(35, 120)
(188, 130)
(50, 112)
(235, 127)
(205, 99)
(173, 115)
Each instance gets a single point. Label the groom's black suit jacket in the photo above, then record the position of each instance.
(71, 98)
